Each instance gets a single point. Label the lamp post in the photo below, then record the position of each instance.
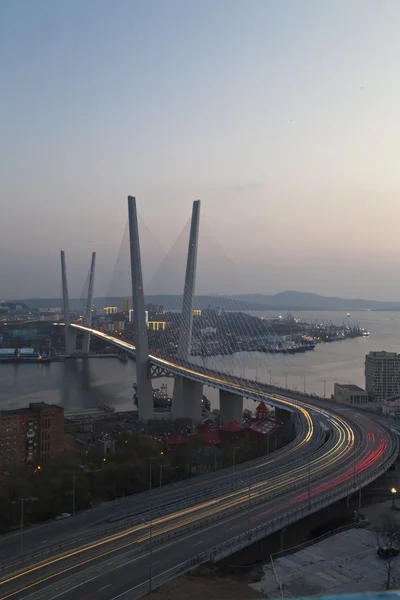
(304, 378)
(270, 376)
(324, 382)
(286, 376)
(307, 464)
(22, 525)
(73, 493)
(161, 473)
(393, 492)
(150, 471)
(149, 523)
(248, 511)
(234, 457)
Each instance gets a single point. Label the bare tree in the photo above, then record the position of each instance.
(388, 536)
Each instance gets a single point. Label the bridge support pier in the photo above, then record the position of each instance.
(230, 407)
(88, 308)
(187, 400)
(144, 388)
(285, 417)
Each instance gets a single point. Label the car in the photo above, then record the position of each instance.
(63, 516)
(388, 551)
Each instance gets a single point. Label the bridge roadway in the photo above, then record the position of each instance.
(118, 565)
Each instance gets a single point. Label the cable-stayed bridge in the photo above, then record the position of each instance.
(150, 538)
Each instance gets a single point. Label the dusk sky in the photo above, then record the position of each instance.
(282, 116)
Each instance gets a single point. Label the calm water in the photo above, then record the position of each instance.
(84, 384)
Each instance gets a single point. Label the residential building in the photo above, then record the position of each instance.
(126, 305)
(34, 434)
(348, 393)
(156, 325)
(382, 375)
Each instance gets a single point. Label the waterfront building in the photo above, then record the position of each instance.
(382, 375)
(110, 310)
(33, 434)
(348, 393)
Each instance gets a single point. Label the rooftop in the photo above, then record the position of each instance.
(33, 406)
(350, 387)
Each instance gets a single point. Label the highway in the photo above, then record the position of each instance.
(313, 473)
(115, 564)
(111, 513)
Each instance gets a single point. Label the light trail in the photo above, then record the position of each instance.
(329, 462)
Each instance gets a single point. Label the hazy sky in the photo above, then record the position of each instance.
(282, 116)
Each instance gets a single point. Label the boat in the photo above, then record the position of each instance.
(25, 361)
(106, 408)
(348, 315)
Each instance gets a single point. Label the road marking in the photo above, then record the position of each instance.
(45, 541)
(197, 543)
(69, 589)
(235, 527)
(104, 587)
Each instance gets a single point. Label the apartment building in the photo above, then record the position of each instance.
(382, 375)
(33, 435)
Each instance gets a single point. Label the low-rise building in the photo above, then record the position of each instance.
(348, 393)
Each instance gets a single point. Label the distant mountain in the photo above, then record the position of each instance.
(169, 302)
(291, 300)
(283, 301)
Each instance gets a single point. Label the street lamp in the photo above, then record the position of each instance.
(234, 457)
(150, 471)
(161, 473)
(73, 493)
(304, 378)
(394, 492)
(149, 523)
(286, 376)
(324, 382)
(22, 524)
(270, 376)
(307, 464)
(248, 505)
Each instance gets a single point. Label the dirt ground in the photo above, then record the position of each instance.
(208, 584)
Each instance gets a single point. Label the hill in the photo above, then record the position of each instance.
(283, 301)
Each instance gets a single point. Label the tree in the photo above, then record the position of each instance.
(388, 543)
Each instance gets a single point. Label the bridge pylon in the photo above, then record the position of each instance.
(69, 333)
(88, 308)
(187, 396)
(143, 381)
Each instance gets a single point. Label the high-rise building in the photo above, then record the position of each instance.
(382, 375)
(33, 434)
(110, 310)
(126, 305)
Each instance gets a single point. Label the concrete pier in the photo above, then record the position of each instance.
(187, 400)
(230, 407)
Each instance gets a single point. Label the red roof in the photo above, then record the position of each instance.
(231, 427)
(210, 438)
(262, 407)
(176, 438)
